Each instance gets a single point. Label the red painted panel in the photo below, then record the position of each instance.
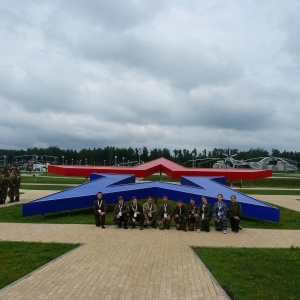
(160, 165)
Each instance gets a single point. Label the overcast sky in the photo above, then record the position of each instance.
(161, 74)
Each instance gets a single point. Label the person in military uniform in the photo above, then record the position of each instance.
(192, 215)
(205, 214)
(100, 210)
(121, 213)
(150, 213)
(136, 214)
(219, 214)
(180, 216)
(1, 181)
(234, 213)
(165, 214)
(5, 183)
(13, 185)
(17, 190)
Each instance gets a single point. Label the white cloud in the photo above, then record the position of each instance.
(168, 74)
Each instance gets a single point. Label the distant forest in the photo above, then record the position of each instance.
(132, 156)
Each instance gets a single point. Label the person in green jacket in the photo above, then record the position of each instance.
(100, 210)
(234, 213)
(180, 212)
(121, 213)
(165, 214)
(205, 213)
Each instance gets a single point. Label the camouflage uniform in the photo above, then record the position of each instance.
(1, 181)
(136, 213)
(123, 212)
(193, 217)
(164, 211)
(182, 218)
(234, 210)
(17, 192)
(150, 214)
(13, 185)
(206, 213)
(4, 187)
(100, 206)
(219, 214)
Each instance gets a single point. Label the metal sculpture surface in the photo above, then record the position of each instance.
(114, 185)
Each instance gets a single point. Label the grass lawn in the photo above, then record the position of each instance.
(31, 177)
(254, 273)
(20, 258)
(268, 192)
(43, 187)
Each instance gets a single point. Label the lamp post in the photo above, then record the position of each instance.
(123, 160)
(104, 162)
(193, 154)
(62, 158)
(140, 153)
(115, 160)
(86, 161)
(72, 161)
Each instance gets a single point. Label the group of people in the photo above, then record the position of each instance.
(10, 182)
(187, 217)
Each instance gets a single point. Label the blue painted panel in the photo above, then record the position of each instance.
(113, 185)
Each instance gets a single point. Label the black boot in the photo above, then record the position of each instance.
(11, 200)
(17, 199)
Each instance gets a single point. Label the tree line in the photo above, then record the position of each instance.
(132, 156)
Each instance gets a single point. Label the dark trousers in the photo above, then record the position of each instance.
(205, 225)
(138, 220)
(123, 220)
(180, 222)
(193, 222)
(100, 220)
(235, 224)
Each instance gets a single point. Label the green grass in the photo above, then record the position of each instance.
(269, 192)
(253, 273)
(17, 259)
(289, 219)
(270, 182)
(50, 178)
(43, 187)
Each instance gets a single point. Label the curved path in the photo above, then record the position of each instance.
(128, 264)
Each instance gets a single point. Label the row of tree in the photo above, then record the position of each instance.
(133, 156)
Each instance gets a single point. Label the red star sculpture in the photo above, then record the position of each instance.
(160, 165)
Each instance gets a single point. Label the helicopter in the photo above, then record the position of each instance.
(276, 164)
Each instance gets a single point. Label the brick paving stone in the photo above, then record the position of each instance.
(129, 264)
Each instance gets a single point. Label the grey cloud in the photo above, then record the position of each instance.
(161, 74)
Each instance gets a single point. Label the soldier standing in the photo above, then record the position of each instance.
(5, 184)
(219, 214)
(193, 216)
(121, 212)
(165, 214)
(1, 181)
(136, 214)
(205, 214)
(150, 213)
(13, 183)
(180, 216)
(234, 213)
(17, 191)
(100, 210)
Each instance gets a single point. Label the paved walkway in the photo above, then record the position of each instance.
(128, 264)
